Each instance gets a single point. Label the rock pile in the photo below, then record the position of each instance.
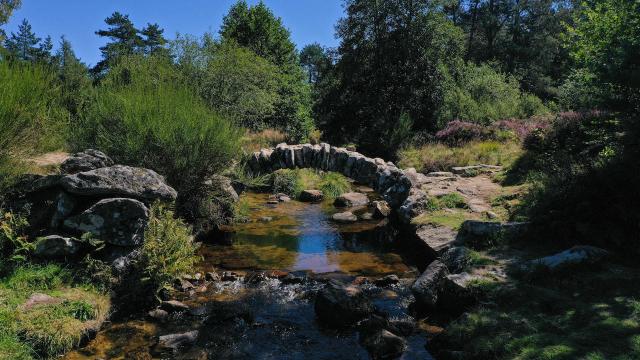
(91, 198)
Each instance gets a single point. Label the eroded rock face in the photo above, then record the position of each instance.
(119, 221)
(177, 341)
(338, 305)
(486, 233)
(56, 246)
(85, 161)
(456, 258)
(416, 178)
(119, 180)
(223, 184)
(351, 199)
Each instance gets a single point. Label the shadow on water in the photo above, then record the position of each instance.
(271, 319)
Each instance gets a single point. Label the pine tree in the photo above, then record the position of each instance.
(314, 59)
(73, 76)
(44, 50)
(24, 44)
(125, 40)
(258, 29)
(154, 41)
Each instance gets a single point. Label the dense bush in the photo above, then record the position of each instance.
(236, 82)
(458, 132)
(144, 115)
(479, 94)
(585, 181)
(231, 79)
(31, 119)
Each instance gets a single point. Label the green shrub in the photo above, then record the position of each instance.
(14, 246)
(478, 93)
(233, 80)
(452, 201)
(168, 251)
(292, 182)
(581, 91)
(246, 87)
(31, 120)
(144, 115)
(287, 181)
(333, 185)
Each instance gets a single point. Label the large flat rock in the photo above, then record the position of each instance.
(120, 180)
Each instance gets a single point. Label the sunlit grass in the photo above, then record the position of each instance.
(46, 330)
(441, 157)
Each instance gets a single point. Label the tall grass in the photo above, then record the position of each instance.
(31, 119)
(145, 115)
(441, 157)
(293, 181)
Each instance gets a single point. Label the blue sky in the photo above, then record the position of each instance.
(308, 20)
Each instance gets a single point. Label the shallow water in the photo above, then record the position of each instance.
(301, 236)
(277, 321)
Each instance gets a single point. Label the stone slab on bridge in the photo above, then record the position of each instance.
(384, 177)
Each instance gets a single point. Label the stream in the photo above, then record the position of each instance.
(281, 256)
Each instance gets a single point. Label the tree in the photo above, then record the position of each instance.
(232, 80)
(315, 60)
(124, 40)
(154, 41)
(73, 76)
(258, 29)
(391, 62)
(6, 9)
(605, 42)
(26, 46)
(522, 36)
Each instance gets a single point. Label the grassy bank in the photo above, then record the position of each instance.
(591, 313)
(42, 330)
(442, 157)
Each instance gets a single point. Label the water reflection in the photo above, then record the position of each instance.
(301, 237)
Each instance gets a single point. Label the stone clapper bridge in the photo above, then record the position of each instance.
(394, 184)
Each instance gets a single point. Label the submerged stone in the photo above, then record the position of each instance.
(351, 199)
(344, 217)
